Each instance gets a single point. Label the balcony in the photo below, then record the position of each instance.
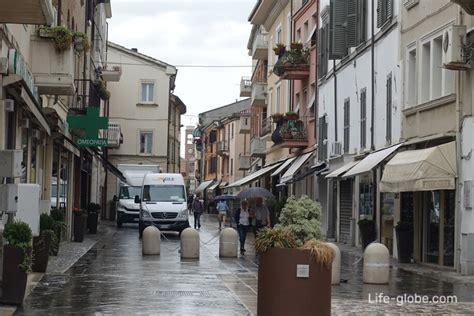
(39, 12)
(223, 147)
(259, 94)
(112, 74)
(260, 47)
(293, 64)
(244, 162)
(53, 70)
(258, 147)
(267, 126)
(114, 135)
(245, 87)
(294, 72)
(290, 134)
(244, 127)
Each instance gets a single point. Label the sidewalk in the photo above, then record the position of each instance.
(69, 253)
(437, 273)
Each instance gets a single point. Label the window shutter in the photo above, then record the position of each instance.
(388, 9)
(352, 29)
(362, 21)
(389, 110)
(320, 52)
(380, 12)
(338, 21)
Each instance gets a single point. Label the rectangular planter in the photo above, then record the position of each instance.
(14, 279)
(281, 292)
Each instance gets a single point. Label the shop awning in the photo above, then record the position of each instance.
(109, 166)
(421, 170)
(254, 176)
(203, 186)
(223, 184)
(283, 166)
(340, 171)
(295, 167)
(313, 170)
(371, 161)
(214, 185)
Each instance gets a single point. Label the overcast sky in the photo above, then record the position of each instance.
(190, 32)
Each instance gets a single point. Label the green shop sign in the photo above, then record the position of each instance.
(91, 123)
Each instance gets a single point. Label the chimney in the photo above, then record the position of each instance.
(135, 50)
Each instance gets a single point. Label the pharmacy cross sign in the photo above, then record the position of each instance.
(91, 123)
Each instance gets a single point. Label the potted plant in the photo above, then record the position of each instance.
(296, 46)
(93, 210)
(292, 249)
(58, 228)
(291, 116)
(277, 118)
(80, 224)
(81, 41)
(41, 244)
(367, 231)
(404, 231)
(16, 262)
(279, 49)
(61, 35)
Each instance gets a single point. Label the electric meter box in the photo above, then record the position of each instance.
(29, 206)
(8, 198)
(10, 163)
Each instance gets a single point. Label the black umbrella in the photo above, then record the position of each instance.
(252, 193)
(225, 197)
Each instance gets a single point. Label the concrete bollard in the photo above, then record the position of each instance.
(229, 243)
(151, 241)
(336, 264)
(190, 244)
(376, 264)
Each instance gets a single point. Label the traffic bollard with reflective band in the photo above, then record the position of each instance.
(376, 264)
(228, 243)
(190, 244)
(151, 241)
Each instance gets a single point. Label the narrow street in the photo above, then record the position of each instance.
(114, 278)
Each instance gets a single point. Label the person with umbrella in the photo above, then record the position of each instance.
(242, 218)
(262, 215)
(198, 209)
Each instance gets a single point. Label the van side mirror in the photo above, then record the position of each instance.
(137, 199)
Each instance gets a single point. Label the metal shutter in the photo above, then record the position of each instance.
(345, 216)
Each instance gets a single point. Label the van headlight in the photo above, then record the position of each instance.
(183, 214)
(145, 214)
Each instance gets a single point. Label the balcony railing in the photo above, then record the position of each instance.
(259, 94)
(114, 135)
(244, 124)
(267, 126)
(258, 147)
(245, 87)
(291, 133)
(244, 162)
(260, 47)
(53, 70)
(39, 12)
(222, 147)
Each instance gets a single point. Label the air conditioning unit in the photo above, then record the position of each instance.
(25, 123)
(453, 44)
(336, 149)
(9, 105)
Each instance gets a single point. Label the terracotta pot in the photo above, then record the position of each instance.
(41, 246)
(14, 278)
(282, 292)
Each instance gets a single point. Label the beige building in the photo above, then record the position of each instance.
(146, 112)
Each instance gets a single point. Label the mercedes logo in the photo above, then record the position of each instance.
(164, 214)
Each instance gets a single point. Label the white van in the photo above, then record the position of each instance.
(163, 202)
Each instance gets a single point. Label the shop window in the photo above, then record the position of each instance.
(366, 199)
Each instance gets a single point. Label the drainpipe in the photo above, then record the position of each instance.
(372, 48)
(335, 98)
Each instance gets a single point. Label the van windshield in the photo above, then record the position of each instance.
(128, 193)
(163, 193)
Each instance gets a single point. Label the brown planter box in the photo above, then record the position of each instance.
(14, 279)
(41, 247)
(280, 292)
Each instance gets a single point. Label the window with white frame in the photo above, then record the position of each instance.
(148, 88)
(411, 78)
(278, 35)
(146, 142)
(305, 30)
(347, 121)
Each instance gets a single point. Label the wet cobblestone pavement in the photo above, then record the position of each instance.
(114, 278)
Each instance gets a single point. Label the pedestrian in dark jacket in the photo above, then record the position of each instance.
(242, 218)
(198, 209)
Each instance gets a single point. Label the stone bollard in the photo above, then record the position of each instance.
(336, 264)
(151, 241)
(190, 244)
(376, 264)
(228, 243)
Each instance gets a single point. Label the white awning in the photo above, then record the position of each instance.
(297, 164)
(203, 186)
(371, 161)
(254, 176)
(421, 170)
(214, 185)
(283, 166)
(338, 172)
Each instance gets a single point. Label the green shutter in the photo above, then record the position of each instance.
(362, 21)
(351, 29)
(338, 22)
(380, 12)
(388, 9)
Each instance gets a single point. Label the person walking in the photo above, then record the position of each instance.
(262, 216)
(198, 209)
(222, 208)
(242, 218)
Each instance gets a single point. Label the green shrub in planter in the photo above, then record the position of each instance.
(58, 228)
(18, 234)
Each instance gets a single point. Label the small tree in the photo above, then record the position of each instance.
(303, 217)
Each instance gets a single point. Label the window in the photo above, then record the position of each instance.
(411, 80)
(278, 35)
(213, 165)
(384, 11)
(388, 133)
(232, 131)
(425, 72)
(231, 166)
(163, 193)
(324, 44)
(146, 142)
(346, 125)
(147, 91)
(363, 118)
(289, 22)
(305, 30)
(298, 35)
(322, 139)
(277, 101)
